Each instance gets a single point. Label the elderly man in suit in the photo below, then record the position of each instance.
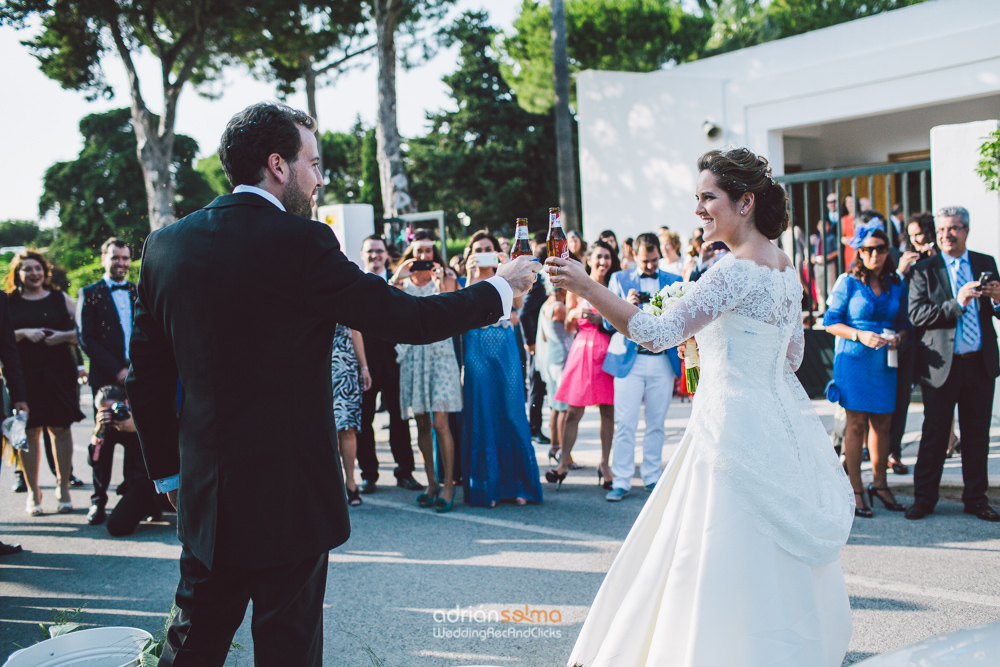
(104, 322)
(239, 302)
(640, 376)
(953, 299)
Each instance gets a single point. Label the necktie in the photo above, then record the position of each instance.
(116, 287)
(970, 318)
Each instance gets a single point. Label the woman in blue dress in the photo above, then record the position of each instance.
(498, 459)
(867, 313)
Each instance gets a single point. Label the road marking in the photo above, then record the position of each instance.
(498, 523)
(924, 591)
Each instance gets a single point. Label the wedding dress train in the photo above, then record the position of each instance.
(734, 560)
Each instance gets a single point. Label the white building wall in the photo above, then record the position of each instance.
(942, 56)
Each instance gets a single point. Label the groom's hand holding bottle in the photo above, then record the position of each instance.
(520, 273)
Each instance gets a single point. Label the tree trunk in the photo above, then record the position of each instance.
(395, 187)
(311, 103)
(155, 149)
(564, 130)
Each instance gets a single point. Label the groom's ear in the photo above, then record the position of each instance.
(277, 168)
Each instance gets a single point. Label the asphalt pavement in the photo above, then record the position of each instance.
(412, 588)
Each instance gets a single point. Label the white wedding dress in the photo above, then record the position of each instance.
(734, 560)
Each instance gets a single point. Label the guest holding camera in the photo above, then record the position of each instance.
(498, 459)
(954, 297)
(584, 380)
(429, 382)
(867, 312)
(139, 499)
(46, 335)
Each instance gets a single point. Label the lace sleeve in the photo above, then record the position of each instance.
(796, 348)
(716, 292)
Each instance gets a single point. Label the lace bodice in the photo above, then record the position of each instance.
(751, 419)
(736, 286)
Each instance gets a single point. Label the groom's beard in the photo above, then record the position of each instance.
(295, 200)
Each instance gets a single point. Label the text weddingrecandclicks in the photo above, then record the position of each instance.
(520, 616)
(493, 632)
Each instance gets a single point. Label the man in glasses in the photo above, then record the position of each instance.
(953, 297)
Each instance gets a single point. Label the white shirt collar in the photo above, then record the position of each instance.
(258, 191)
(110, 282)
(964, 257)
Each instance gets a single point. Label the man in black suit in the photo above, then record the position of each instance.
(382, 365)
(104, 323)
(956, 362)
(239, 302)
(529, 312)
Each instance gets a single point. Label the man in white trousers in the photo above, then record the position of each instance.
(641, 376)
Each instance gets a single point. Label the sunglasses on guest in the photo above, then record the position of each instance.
(879, 249)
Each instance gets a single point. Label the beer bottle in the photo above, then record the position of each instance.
(521, 246)
(558, 246)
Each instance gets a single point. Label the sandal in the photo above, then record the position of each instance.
(354, 497)
(520, 502)
(33, 508)
(429, 498)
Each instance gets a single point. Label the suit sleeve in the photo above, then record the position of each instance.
(337, 289)
(10, 358)
(924, 312)
(89, 333)
(152, 388)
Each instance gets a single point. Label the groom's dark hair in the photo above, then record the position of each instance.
(648, 241)
(256, 133)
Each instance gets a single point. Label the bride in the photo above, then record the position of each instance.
(734, 560)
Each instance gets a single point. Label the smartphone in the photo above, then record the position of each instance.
(487, 259)
(986, 277)
(644, 297)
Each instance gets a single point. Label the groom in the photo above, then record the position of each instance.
(238, 303)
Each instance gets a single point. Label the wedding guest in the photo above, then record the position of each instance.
(671, 260)
(13, 382)
(350, 374)
(576, 245)
(384, 371)
(551, 350)
(584, 381)
(498, 460)
(104, 324)
(608, 236)
(641, 376)
(824, 259)
(847, 213)
(898, 227)
(956, 362)
(867, 300)
(504, 245)
(46, 335)
(529, 325)
(429, 383)
(693, 260)
(628, 254)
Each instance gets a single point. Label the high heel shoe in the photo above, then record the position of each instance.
(864, 510)
(441, 507)
(554, 454)
(33, 508)
(891, 505)
(555, 477)
(428, 499)
(603, 483)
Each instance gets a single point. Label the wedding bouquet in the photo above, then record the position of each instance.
(659, 302)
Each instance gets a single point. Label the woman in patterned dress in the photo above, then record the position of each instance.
(429, 383)
(349, 370)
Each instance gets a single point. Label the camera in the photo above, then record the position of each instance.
(644, 297)
(422, 265)
(120, 412)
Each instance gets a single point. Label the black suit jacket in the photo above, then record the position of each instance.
(935, 314)
(100, 332)
(10, 358)
(239, 301)
(530, 309)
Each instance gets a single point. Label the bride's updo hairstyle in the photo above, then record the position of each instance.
(740, 170)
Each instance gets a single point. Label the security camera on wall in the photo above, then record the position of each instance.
(711, 130)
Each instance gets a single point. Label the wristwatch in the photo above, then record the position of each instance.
(854, 336)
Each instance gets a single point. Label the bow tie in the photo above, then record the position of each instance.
(114, 287)
(649, 275)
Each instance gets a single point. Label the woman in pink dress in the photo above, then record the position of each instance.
(584, 382)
